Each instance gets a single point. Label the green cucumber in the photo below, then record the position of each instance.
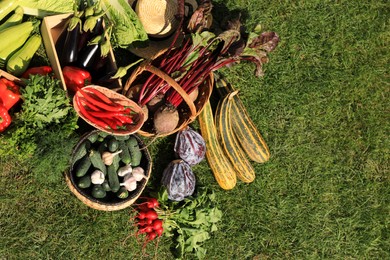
(102, 146)
(98, 192)
(81, 151)
(113, 145)
(122, 137)
(93, 137)
(135, 152)
(106, 186)
(113, 178)
(125, 154)
(84, 182)
(122, 193)
(97, 162)
(83, 166)
(103, 134)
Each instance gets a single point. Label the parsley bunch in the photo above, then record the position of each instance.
(45, 109)
(191, 221)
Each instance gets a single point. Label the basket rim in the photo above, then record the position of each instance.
(96, 203)
(208, 84)
(118, 98)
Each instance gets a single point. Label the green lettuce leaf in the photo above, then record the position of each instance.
(127, 28)
(42, 8)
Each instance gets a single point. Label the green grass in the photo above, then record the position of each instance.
(322, 107)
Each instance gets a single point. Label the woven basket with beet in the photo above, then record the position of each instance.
(170, 109)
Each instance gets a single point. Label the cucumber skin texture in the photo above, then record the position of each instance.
(20, 60)
(83, 166)
(125, 154)
(112, 145)
(98, 192)
(81, 151)
(106, 186)
(113, 178)
(122, 193)
(93, 137)
(97, 162)
(135, 152)
(84, 182)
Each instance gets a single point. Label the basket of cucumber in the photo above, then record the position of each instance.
(108, 172)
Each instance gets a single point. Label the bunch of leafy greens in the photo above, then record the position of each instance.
(127, 29)
(190, 221)
(42, 8)
(45, 112)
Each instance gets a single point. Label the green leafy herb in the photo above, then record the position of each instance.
(191, 221)
(45, 110)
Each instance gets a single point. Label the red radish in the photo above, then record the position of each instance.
(146, 229)
(152, 235)
(151, 214)
(149, 221)
(142, 222)
(157, 224)
(159, 231)
(150, 203)
(141, 215)
(165, 119)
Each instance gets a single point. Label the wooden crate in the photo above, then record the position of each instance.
(11, 77)
(51, 29)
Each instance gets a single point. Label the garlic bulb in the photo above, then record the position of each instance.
(108, 157)
(124, 170)
(129, 182)
(97, 177)
(138, 173)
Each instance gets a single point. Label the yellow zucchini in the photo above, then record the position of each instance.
(220, 165)
(19, 61)
(229, 141)
(243, 127)
(12, 38)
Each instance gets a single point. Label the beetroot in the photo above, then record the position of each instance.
(190, 146)
(179, 180)
(166, 119)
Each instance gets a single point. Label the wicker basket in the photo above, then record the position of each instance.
(111, 202)
(188, 110)
(120, 99)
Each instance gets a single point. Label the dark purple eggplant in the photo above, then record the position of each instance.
(69, 53)
(60, 43)
(88, 56)
(86, 36)
(98, 29)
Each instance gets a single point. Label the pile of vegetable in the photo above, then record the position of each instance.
(114, 168)
(201, 53)
(108, 167)
(83, 49)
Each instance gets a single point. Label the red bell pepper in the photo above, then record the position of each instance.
(75, 78)
(5, 118)
(42, 70)
(9, 93)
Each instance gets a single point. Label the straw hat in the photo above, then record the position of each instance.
(157, 16)
(159, 21)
